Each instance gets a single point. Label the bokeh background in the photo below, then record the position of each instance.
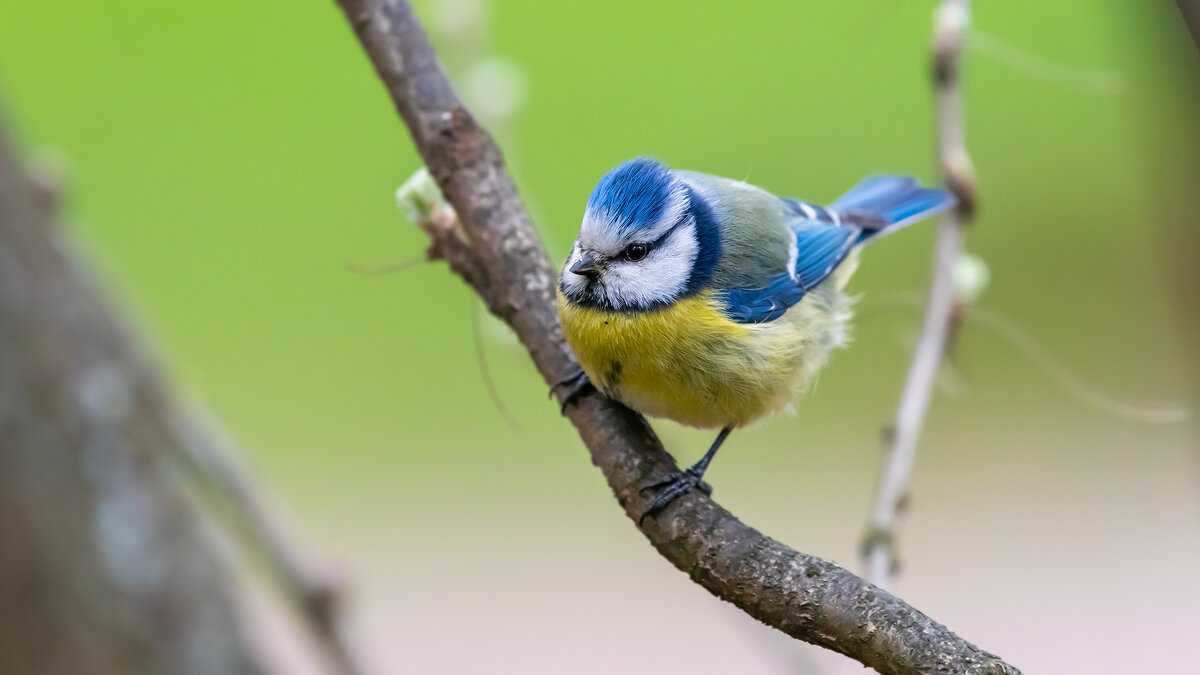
(228, 161)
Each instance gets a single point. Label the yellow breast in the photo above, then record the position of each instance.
(690, 363)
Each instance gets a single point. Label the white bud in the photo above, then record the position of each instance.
(495, 87)
(971, 277)
(420, 197)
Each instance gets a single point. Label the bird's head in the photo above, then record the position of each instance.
(647, 240)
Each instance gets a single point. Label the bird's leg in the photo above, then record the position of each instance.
(576, 384)
(681, 483)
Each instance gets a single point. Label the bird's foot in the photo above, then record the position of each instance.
(576, 384)
(673, 486)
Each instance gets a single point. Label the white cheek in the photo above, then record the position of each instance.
(661, 277)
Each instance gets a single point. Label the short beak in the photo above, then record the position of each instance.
(587, 266)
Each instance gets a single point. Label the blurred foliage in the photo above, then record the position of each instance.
(229, 160)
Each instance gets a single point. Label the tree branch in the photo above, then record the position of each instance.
(105, 567)
(312, 591)
(806, 597)
(110, 568)
(879, 547)
(1190, 9)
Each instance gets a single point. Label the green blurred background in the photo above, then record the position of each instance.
(228, 160)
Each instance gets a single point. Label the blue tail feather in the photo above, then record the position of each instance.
(895, 200)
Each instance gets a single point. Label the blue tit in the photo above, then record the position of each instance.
(713, 302)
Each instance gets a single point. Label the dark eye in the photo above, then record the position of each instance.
(635, 252)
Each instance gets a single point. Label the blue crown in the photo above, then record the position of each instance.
(633, 195)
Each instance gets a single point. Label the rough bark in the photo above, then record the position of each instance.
(503, 260)
(104, 567)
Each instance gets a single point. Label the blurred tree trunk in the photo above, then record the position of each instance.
(1174, 162)
(104, 565)
(1191, 16)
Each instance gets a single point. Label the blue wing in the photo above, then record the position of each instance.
(824, 236)
(820, 246)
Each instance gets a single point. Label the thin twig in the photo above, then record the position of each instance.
(485, 373)
(1099, 81)
(806, 597)
(314, 592)
(879, 546)
(1043, 359)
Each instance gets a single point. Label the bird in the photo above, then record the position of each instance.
(713, 302)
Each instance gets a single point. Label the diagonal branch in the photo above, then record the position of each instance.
(311, 590)
(804, 596)
(951, 20)
(1190, 10)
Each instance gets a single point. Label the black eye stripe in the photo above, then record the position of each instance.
(649, 246)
